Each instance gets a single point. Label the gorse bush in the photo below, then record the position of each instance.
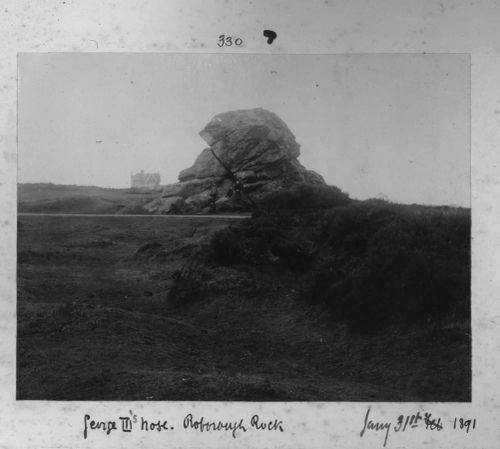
(383, 264)
(305, 196)
(369, 263)
(264, 241)
(225, 248)
(404, 267)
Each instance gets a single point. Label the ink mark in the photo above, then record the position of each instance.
(96, 43)
(271, 35)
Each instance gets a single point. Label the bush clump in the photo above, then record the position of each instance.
(392, 264)
(369, 263)
(305, 196)
(262, 241)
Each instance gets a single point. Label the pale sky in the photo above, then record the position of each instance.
(380, 125)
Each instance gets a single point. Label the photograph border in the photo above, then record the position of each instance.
(61, 423)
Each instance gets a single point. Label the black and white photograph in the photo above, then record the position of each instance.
(244, 227)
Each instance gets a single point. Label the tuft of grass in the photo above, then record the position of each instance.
(188, 285)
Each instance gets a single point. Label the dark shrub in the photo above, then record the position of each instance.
(384, 264)
(369, 263)
(266, 240)
(305, 196)
(293, 253)
(225, 247)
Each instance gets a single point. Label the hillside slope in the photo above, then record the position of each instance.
(72, 199)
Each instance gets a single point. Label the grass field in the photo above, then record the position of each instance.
(55, 198)
(95, 323)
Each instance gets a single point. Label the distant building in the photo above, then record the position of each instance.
(143, 180)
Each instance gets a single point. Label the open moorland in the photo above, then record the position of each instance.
(55, 198)
(316, 297)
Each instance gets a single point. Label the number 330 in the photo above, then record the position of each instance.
(228, 41)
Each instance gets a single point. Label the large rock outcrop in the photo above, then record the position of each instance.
(251, 153)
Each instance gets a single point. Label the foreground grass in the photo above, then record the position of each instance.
(95, 322)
